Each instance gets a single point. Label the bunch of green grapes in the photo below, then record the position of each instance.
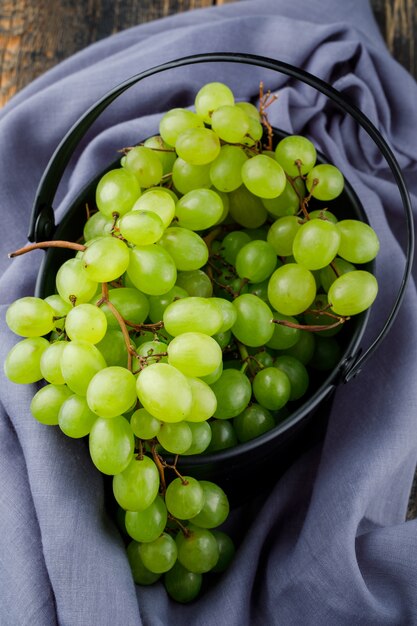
(205, 293)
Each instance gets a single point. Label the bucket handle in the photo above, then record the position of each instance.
(42, 222)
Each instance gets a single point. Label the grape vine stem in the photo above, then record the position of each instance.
(56, 243)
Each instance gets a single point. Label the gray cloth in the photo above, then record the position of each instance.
(329, 545)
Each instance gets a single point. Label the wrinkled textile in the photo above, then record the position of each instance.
(329, 545)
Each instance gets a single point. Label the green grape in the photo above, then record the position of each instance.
(226, 551)
(98, 225)
(141, 228)
(50, 363)
(151, 350)
(359, 243)
(297, 374)
(105, 259)
(188, 249)
(158, 304)
(271, 388)
(80, 361)
(75, 418)
(254, 421)
(193, 314)
(184, 497)
(228, 312)
(159, 556)
(291, 289)
(230, 123)
(176, 121)
(329, 273)
(263, 359)
(111, 391)
(323, 214)
(198, 146)
(30, 317)
(164, 392)
(296, 154)
(141, 574)
(327, 353)
(325, 182)
(210, 97)
(22, 364)
(304, 348)
(204, 401)
(187, 176)
(145, 165)
(288, 202)
(223, 435)
(149, 524)
(226, 169)
(175, 438)
(199, 209)
(316, 244)
(250, 110)
(116, 192)
(198, 550)
(281, 234)
(136, 487)
(163, 151)
(86, 322)
(283, 336)
(158, 201)
(181, 585)
(144, 425)
(195, 283)
(256, 261)
(152, 269)
(224, 339)
(73, 283)
(233, 392)
(60, 308)
(263, 176)
(246, 208)
(215, 508)
(353, 292)
(47, 402)
(194, 354)
(256, 131)
(253, 325)
(113, 348)
(201, 437)
(111, 444)
(232, 243)
(129, 302)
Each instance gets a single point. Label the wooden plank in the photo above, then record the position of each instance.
(398, 22)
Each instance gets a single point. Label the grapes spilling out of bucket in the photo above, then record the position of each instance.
(209, 291)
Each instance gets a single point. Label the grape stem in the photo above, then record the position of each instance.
(160, 464)
(185, 531)
(312, 327)
(56, 243)
(106, 300)
(265, 100)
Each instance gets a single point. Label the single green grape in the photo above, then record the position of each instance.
(175, 121)
(193, 314)
(271, 388)
(152, 269)
(230, 123)
(46, 403)
(181, 585)
(198, 146)
(254, 421)
(141, 574)
(23, 362)
(201, 437)
(253, 325)
(223, 435)
(136, 487)
(111, 444)
(281, 234)
(198, 550)
(159, 555)
(30, 317)
(359, 242)
(149, 524)
(141, 228)
(145, 165)
(210, 97)
(155, 385)
(111, 391)
(194, 354)
(164, 152)
(256, 261)
(233, 392)
(144, 425)
(353, 292)
(75, 419)
(215, 508)
(116, 192)
(199, 209)
(188, 250)
(263, 176)
(175, 437)
(159, 201)
(204, 401)
(86, 322)
(184, 497)
(291, 289)
(296, 154)
(325, 182)
(226, 170)
(80, 361)
(187, 176)
(297, 374)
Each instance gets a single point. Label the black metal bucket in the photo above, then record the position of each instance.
(235, 469)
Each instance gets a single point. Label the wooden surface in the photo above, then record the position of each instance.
(35, 35)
